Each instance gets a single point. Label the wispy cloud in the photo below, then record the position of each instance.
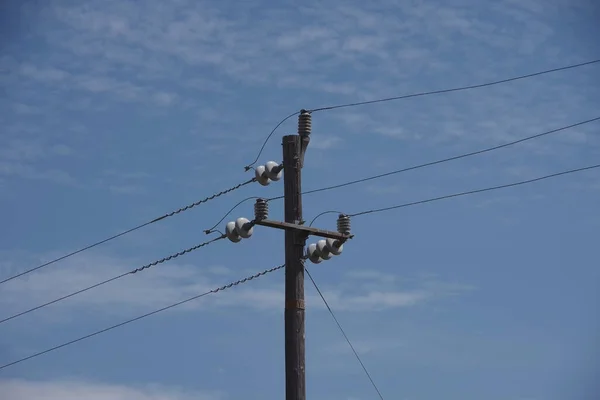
(25, 109)
(21, 158)
(23, 171)
(367, 346)
(154, 97)
(75, 390)
(325, 143)
(126, 189)
(170, 282)
(31, 150)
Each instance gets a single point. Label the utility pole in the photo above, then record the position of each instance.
(294, 147)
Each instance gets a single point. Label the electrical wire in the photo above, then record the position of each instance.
(456, 89)
(324, 213)
(212, 229)
(249, 166)
(134, 271)
(378, 210)
(180, 210)
(221, 288)
(344, 333)
(444, 160)
(420, 94)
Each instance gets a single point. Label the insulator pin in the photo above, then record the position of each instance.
(304, 123)
(343, 224)
(261, 210)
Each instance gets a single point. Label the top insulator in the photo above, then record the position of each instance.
(304, 123)
(343, 224)
(261, 210)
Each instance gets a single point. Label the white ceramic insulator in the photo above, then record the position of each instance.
(322, 249)
(243, 227)
(313, 254)
(261, 176)
(334, 247)
(231, 233)
(271, 168)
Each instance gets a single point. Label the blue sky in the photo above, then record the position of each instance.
(115, 112)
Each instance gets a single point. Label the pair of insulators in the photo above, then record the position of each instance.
(239, 229)
(324, 249)
(271, 171)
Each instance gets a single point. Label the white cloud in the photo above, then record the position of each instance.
(371, 275)
(126, 189)
(25, 171)
(20, 157)
(19, 389)
(340, 36)
(157, 43)
(171, 282)
(47, 75)
(94, 82)
(25, 109)
(31, 150)
(378, 300)
(367, 346)
(324, 143)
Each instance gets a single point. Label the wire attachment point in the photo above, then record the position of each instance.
(304, 123)
(261, 210)
(343, 224)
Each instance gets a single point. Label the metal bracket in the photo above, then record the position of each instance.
(308, 230)
(303, 147)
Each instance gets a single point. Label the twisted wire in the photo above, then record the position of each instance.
(257, 275)
(205, 200)
(173, 256)
(140, 317)
(112, 279)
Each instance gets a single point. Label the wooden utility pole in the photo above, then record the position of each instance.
(295, 240)
(294, 147)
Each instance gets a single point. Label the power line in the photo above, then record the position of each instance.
(456, 89)
(344, 333)
(267, 139)
(221, 288)
(473, 153)
(414, 167)
(419, 94)
(213, 228)
(378, 210)
(323, 213)
(249, 166)
(180, 210)
(414, 203)
(134, 271)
